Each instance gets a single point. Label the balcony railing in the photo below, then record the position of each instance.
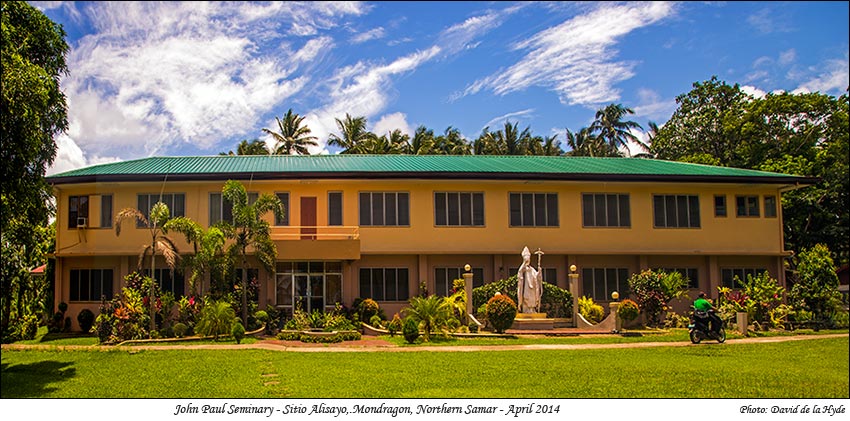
(315, 233)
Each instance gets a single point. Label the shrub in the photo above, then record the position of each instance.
(432, 312)
(395, 325)
(816, 286)
(555, 302)
(180, 329)
(473, 327)
(28, 327)
(629, 310)
(590, 310)
(216, 319)
(375, 321)
(501, 312)
(63, 307)
(410, 330)
(453, 324)
(85, 319)
(237, 331)
(262, 316)
(765, 296)
(653, 290)
(368, 308)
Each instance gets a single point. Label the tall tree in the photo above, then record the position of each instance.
(159, 216)
(451, 142)
(249, 230)
(392, 143)
(208, 248)
(423, 141)
(609, 125)
(584, 143)
(352, 133)
(32, 112)
(249, 147)
(293, 136)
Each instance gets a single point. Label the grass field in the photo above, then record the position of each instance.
(816, 368)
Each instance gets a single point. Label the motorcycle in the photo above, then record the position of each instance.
(699, 328)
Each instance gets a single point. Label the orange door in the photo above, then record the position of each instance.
(308, 218)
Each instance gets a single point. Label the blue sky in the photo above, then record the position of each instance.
(196, 78)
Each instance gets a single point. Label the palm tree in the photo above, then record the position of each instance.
(245, 147)
(392, 143)
(583, 143)
(159, 216)
(508, 141)
(551, 146)
(208, 246)
(609, 125)
(451, 142)
(423, 141)
(432, 313)
(250, 230)
(292, 136)
(353, 131)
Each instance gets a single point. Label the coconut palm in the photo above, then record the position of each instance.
(451, 142)
(583, 143)
(391, 143)
(550, 146)
(208, 246)
(508, 141)
(609, 125)
(159, 216)
(423, 141)
(292, 137)
(353, 133)
(249, 230)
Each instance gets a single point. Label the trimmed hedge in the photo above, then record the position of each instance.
(555, 302)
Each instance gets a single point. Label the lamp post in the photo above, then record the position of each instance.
(615, 311)
(573, 287)
(467, 287)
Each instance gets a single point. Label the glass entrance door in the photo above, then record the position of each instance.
(310, 292)
(309, 285)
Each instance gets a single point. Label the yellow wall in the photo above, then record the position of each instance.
(730, 235)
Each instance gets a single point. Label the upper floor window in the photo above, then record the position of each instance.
(78, 211)
(91, 284)
(737, 277)
(384, 209)
(335, 208)
(444, 279)
(455, 209)
(747, 206)
(770, 206)
(384, 284)
(281, 219)
(221, 209)
(605, 210)
(106, 211)
(720, 205)
(176, 203)
(675, 211)
(533, 209)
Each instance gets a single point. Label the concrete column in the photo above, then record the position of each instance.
(467, 287)
(615, 313)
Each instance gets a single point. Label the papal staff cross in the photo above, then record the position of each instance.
(539, 254)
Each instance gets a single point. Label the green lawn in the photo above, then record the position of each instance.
(816, 368)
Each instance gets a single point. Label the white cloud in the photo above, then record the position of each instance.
(575, 59)
(390, 122)
(504, 118)
(651, 106)
(461, 36)
(369, 35)
(833, 78)
(69, 157)
(787, 57)
(753, 91)
(766, 22)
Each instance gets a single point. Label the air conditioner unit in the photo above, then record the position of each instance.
(82, 222)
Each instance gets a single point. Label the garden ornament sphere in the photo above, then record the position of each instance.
(615, 295)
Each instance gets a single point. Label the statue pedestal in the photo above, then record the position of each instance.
(533, 321)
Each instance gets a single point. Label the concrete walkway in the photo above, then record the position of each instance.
(379, 345)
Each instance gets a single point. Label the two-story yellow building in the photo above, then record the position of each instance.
(378, 226)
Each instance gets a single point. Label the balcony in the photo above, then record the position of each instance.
(317, 242)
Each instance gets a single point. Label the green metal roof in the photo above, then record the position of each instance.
(415, 166)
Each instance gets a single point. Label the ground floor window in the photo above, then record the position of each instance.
(690, 274)
(385, 284)
(550, 275)
(169, 281)
(444, 279)
(599, 283)
(736, 277)
(308, 285)
(91, 284)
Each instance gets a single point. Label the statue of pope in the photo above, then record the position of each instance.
(529, 285)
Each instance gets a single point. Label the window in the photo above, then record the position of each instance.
(675, 211)
(282, 219)
(747, 206)
(736, 277)
(453, 209)
(688, 273)
(106, 211)
(720, 205)
(444, 279)
(384, 209)
(599, 283)
(91, 284)
(770, 206)
(168, 281)
(605, 210)
(176, 203)
(384, 284)
(335, 208)
(533, 209)
(78, 211)
(221, 209)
